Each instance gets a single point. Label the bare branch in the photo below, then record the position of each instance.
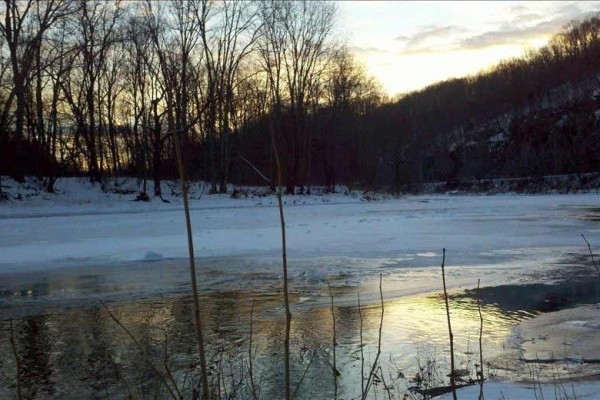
(143, 351)
(591, 255)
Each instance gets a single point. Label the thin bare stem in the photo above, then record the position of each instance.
(569, 370)
(334, 366)
(387, 389)
(251, 355)
(188, 224)
(244, 159)
(539, 381)
(130, 395)
(480, 375)
(450, 335)
(286, 300)
(362, 352)
(591, 255)
(312, 357)
(167, 369)
(375, 362)
(220, 377)
(143, 351)
(13, 343)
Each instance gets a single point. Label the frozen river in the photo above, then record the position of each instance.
(58, 261)
(69, 253)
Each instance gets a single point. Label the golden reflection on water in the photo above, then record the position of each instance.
(423, 318)
(80, 352)
(413, 322)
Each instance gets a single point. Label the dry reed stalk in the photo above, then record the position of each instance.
(167, 369)
(450, 335)
(251, 355)
(362, 352)
(160, 376)
(375, 363)
(591, 255)
(480, 372)
(13, 344)
(286, 300)
(188, 224)
(334, 366)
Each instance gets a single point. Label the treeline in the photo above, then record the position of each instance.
(104, 88)
(101, 88)
(529, 116)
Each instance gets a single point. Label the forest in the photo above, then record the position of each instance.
(354, 286)
(104, 89)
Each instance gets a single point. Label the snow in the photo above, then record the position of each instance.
(501, 390)
(339, 238)
(557, 348)
(153, 256)
(497, 138)
(83, 225)
(501, 239)
(571, 333)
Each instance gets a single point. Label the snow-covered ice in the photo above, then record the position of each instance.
(138, 249)
(86, 226)
(501, 390)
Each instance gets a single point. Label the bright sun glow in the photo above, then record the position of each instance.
(409, 45)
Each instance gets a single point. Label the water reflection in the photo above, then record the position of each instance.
(540, 297)
(35, 341)
(49, 290)
(83, 353)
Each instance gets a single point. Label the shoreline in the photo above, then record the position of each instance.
(400, 323)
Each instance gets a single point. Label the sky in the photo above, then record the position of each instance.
(407, 45)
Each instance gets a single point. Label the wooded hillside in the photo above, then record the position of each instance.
(103, 89)
(530, 116)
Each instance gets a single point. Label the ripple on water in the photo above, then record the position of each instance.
(82, 350)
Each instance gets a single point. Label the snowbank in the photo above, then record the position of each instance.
(500, 390)
(498, 238)
(573, 334)
(84, 225)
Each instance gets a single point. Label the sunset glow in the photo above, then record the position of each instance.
(409, 45)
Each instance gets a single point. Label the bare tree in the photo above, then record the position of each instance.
(175, 35)
(56, 69)
(295, 52)
(228, 31)
(23, 29)
(308, 31)
(6, 99)
(111, 84)
(96, 23)
(350, 94)
(142, 94)
(174, 49)
(271, 46)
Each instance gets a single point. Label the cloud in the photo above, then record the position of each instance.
(519, 24)
(519, 9)
(524, 25)
(526, 17)
(501, 37)
(402, 38)
(569, 8)
(520, 33)
(369, 50)
(427, 33)
(428, 49)
(427, 39)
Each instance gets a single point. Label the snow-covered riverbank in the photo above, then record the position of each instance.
(84, 224)
(67, 250)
